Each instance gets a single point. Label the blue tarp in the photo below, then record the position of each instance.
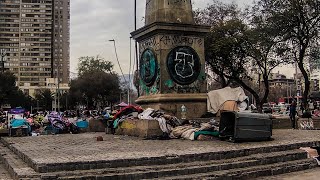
(16, 123)
(82, 124)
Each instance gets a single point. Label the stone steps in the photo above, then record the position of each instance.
(15, 166)
(252, 172)
(198, 167)
(162, 160)
(238, 164)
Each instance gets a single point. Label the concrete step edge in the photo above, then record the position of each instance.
(254, 172)
(187, 168)
(163, 160)
(15, 151)
(17, 168)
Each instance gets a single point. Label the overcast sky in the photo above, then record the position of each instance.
(95, 22)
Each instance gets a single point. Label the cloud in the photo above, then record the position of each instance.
(94, 22)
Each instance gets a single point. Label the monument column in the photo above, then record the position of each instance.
(172, 60)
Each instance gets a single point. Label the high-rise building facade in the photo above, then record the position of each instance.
(35, 35)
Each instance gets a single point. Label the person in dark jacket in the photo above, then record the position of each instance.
(315, 105)
(302, 107)
(293, 111)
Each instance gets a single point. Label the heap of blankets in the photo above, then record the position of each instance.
(128, 112)
(170, 125)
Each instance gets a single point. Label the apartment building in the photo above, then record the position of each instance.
(35, 35)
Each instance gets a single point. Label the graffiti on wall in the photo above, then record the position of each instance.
(149, 73)
(150, 3)
(150, 90)
(148, 67)
(167, 41)
(195, 87)
(178, 2)
(180, 40)
(183, 64)
(152, 43)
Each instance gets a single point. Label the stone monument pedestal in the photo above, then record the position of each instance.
(196, 104)
(172, 59)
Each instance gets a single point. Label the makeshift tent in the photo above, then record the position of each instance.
(20, 123)
(228, 106)
(217, 98)
(16, 113)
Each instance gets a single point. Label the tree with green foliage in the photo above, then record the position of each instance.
(7, 86)
(239, 48)
(19, 99)
(44, 99)
(266, 49)
(93, 64)
(298, 24)
(10, 93)
(66, 101)
(97, 85)
(227, 25)
(96, 89)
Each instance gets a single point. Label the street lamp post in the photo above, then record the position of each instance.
(115, 50)
(130, 72)
(58, 92)
(136, 43)
(3, 53)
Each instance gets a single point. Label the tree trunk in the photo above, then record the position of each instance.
(223, 81)
(305, 76)
(266, 90)
(306, 84)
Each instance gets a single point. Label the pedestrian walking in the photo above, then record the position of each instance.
(293, 111)
(302, 108)
(311, 107)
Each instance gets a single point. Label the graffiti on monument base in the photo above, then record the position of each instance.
(183, 64)
(150, 43)
(146, 90)
(148, 67)
(195, 87)
(168, 41)
(173, 40)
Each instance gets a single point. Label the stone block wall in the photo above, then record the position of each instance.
(139, 128)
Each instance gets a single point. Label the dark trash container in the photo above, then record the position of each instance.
(242, 126)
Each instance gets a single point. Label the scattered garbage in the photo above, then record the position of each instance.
(313, 152)
(99, 138)
(219, 101)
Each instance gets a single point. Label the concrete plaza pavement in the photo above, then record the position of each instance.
(69, 148)
(4, 174)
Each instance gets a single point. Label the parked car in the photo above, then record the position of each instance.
(284, 107)
(276, 108)
(266, 108)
